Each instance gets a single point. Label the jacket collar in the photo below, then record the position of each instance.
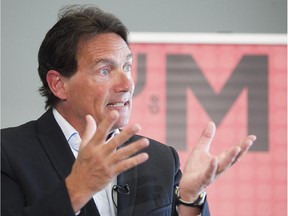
(55, 144)
(59, 153)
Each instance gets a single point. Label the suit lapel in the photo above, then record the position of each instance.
(54, 143)
(58, 151)
(126, 202)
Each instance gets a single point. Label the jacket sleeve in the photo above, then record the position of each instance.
(13, 196)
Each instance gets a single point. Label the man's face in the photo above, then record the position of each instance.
(102, 82)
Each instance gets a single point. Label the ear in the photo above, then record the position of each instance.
(56, 84)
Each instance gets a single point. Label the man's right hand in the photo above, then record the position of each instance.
(98, 162)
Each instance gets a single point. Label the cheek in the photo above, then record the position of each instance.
(91, 88)
(87, 93)
(132, 86)
(97, 95)
(88, 96)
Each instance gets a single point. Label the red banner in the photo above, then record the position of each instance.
(242, 88)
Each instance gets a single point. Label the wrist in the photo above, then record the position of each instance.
(183, 198)
(77, 199)
(187, 195)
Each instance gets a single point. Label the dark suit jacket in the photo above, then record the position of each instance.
(36, 159)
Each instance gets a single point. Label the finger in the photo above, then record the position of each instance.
(227, 158)
(104, 128)
(206, 137)
(90, 130)
(252, 138)
(131, 162)
(119, 139)
(210, 173)
(129, 150)
(245, 146)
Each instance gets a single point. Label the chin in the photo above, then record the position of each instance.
(121, 123)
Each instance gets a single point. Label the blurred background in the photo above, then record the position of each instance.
(25, 23)
(258, 185)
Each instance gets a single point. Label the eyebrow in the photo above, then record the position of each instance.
(130, 56)
(109, 60)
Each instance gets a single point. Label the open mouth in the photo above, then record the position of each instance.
(118, 104)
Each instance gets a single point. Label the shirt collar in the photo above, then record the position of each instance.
(66, 128)
(69, 131)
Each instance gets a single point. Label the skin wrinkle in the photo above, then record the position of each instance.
(101, 90)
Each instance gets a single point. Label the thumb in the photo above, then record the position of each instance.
(206, 136)
(90, 130)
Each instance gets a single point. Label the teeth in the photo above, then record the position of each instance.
(116, 104)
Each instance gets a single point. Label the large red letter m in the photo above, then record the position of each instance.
(250, 73)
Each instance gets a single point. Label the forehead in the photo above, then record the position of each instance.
(103, 45)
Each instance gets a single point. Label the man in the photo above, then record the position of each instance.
(75, 160)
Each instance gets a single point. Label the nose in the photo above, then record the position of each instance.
(123, 82)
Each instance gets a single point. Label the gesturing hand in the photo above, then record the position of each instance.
(202, 168)
(98, 162)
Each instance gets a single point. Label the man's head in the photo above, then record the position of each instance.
(58, 50)
(85, 66)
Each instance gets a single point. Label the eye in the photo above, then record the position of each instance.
(104, 71)
(127, 68)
